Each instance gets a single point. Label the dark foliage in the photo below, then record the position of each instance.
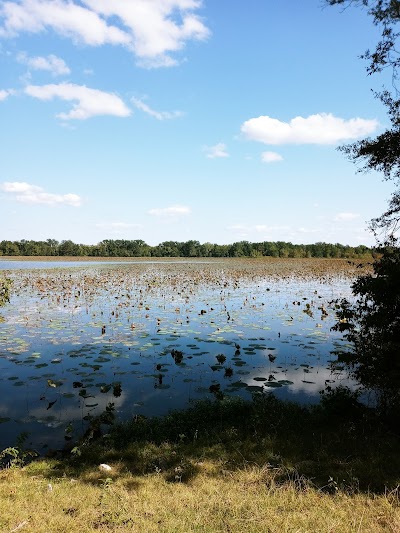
(385, 14)
(388, 224)
(382, 153)
(372, 325)
(138, 248)
(337, 444)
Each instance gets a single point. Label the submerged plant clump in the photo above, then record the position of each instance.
(154, 336)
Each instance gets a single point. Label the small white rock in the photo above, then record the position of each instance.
(105, 468)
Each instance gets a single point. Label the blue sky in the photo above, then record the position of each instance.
(213, 120)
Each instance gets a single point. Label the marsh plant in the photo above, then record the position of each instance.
(5, 286)
(17, 456)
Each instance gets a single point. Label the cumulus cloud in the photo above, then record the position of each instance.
(347, 216)
(322, 128)
(159, 115)
(271, 157)
(173, 211)
(218, 150)
(156, 27)
(51, 63)
(5, 93)
(32, 194)
(152, 29)
(67, 18)
(87, 102)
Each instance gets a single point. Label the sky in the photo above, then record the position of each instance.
(211, 120)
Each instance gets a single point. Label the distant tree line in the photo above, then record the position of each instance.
(138, 248)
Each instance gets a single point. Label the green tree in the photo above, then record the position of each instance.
(372, 323)
(190, 249)
(52, 246)
(9, 248)
(383, 152)
(69, 248)
(169, 249)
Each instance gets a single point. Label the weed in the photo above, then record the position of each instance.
(17, 456)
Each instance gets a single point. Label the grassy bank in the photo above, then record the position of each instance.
(226, 465)
(249, 499)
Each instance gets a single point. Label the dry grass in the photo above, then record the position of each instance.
(249, 499)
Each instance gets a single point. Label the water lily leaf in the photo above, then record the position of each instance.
(238, 385)
(254, 388)
(101, 359)
(54, 384)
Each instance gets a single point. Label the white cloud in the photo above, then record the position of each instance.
(152, 29)
(88, 102)
(323, 128)
(218, 150)
(64, 17)
(5, 93)
(159, 115)
(347, 216)
(156, 27)
(271, 157)
(51, 63)
(32, 194)
(173, 211)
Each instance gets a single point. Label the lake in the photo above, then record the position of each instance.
(150, 336)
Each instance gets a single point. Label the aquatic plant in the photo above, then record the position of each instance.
(5, 286)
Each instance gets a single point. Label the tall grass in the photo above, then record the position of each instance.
(223, 465)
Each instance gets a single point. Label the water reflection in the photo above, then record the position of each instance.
(165, 335)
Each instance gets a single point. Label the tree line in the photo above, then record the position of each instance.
(138, 248)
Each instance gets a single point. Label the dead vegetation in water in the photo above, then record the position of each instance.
(146, 329)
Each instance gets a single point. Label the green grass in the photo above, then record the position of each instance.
(223, 465)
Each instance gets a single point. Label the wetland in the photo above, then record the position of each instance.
(148, 336)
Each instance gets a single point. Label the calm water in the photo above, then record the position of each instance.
(149, 337)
